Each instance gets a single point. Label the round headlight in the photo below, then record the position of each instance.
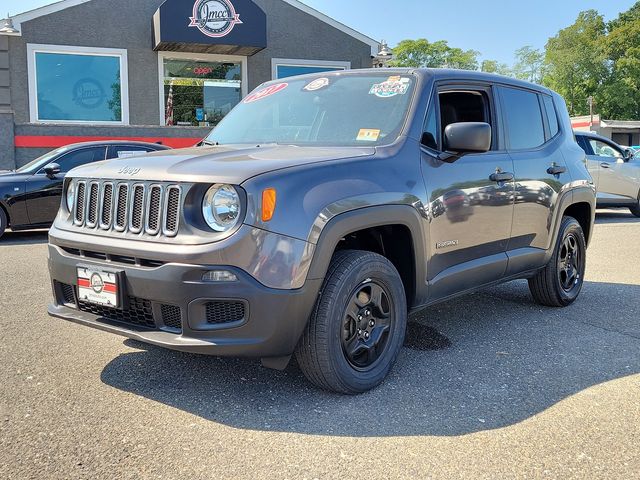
(71, 195)
(221, 208)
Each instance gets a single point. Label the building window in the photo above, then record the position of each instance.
(77, 85)
(199, 92)
(287, 67)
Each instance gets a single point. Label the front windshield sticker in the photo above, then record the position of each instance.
(368, 135)
(265, 92)
(392, 87)
(317, 84)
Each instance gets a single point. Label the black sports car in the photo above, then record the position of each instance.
(30, 195)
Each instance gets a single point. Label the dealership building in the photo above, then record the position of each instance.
(154, 70)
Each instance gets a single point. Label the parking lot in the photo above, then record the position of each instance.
(490, 385)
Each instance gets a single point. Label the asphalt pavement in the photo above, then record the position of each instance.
(490, 385)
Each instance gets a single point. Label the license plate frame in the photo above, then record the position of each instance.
(100, 286)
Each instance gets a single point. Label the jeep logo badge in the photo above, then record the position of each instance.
(214, 18)
(129, 171)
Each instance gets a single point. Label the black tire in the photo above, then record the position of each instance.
(635, 210)
(3, 222)
(335, 326)
(560, 282)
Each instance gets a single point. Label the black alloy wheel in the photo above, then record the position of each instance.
(570, 263)
(367, 323)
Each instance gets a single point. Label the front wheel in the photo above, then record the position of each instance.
(3, 222)
(635, 209)
(358, 324)
(560, 282)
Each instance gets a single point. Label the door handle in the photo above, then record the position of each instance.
(604, 165)
(501, 177)
(556, 170)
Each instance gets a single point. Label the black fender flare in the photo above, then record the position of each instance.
(368, 217)
(580, 194)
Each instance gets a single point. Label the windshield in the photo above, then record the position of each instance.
(38, 163)
(340, 110)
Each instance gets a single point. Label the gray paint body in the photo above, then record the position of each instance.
(126, 24)
(491, 232)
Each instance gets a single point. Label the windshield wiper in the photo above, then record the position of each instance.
(208, 143)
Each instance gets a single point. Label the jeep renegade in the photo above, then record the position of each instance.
(320, 212)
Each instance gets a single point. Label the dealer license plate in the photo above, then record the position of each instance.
(97, 286)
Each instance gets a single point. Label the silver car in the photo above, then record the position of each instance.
(615, 170)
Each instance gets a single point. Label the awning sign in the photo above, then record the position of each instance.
(214, 18)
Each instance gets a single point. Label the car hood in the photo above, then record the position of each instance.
(215, 164)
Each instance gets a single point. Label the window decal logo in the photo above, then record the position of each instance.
(214, 18)
(88, 93)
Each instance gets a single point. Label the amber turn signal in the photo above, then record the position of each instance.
(268, 204)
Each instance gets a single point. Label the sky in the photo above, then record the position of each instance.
(496, 28)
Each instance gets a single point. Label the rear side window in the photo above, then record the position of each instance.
(552, 116)
(523, 118)
(125, 151)
(80, 157)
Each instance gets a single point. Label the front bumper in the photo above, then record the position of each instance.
(271, 323)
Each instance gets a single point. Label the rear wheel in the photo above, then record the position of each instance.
(560, 282)
(358, 325)
(636, 209)
(3, 222)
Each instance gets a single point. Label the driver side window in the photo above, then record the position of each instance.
(602, 149)
(454, 107)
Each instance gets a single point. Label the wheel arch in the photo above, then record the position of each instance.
(4, 208)
(358, 229)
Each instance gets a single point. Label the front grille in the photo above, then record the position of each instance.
(121, 206)
(153, 219)
(92, 211)
(171, 316)
(80, 198)
(224, 311)
(139, 312)
(107, 206)
(130, 207)
(171, 213)
(137, 206)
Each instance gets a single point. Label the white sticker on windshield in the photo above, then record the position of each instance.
(317, 84)
(390, 88)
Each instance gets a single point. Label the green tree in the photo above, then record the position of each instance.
(575, 63)
(529, 64)
(620, 96)
(422, 53)
(493, 66)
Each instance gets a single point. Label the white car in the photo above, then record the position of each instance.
(615, 170)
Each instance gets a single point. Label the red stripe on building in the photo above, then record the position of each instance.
(583, 124)
(46, 141)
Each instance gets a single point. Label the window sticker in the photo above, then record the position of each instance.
(317, 84)
(368, 135)
(129, 153)
(391, 87)
(265, 92)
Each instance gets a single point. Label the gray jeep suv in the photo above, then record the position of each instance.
(320, 212)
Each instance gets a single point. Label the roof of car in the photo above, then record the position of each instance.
(586, 133)
(118, 142)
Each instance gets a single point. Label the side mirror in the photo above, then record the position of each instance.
(628, 154)
(467, 137)
(52, 170)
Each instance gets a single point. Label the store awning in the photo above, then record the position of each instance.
(229, 27)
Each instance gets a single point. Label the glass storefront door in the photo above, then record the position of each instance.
(198, 93)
